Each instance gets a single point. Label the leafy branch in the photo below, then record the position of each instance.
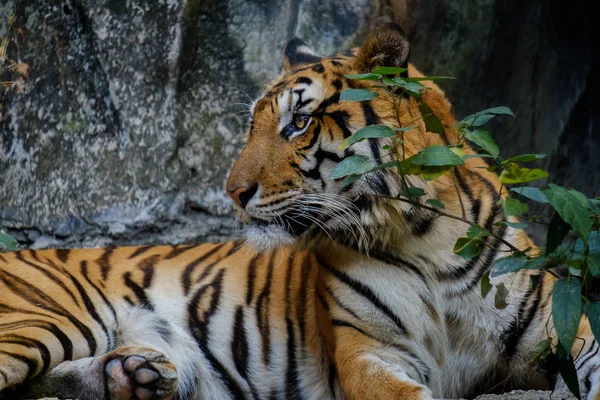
(572, 238)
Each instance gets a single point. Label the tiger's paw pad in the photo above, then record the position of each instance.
(141, 377)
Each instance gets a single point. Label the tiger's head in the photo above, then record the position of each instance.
(281, 181)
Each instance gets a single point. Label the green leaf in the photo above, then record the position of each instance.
(428, 78)
(357, 95)
(412, 191)
(594, 264)
(568, 204)
(432, 122)
(371, 131)
(517, 174)
(350, 179)
(508, 264)
(430, 173)
(363, 77)
(389, 82)
(557, 231)
(566, 367)
(407, 167)
(466, 157)
(468, 248)
(592, 310)
(500, 297)
(353, 165)
(531, 193)
(412, 87)
(581, 197)
(514, 225)
(486, 286)
(483, 139)
(566, 310)
(7, 242)
(539, 349)
(477, 232)
(458, 151)
(437, 155)
(514, 263)
(388, 70)
(436, 203)
(481, 117)
(514, 207)
(524, 158)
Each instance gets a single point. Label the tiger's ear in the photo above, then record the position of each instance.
(386, 45)
(297, 53)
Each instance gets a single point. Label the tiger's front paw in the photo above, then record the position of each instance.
(140, 374)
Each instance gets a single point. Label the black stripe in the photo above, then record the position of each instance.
(140, 251)
(29, 324)
(199, 321)
(104, 262)
(84, 272)
(511, 337)
(313, 139)
(339, 303)
(292, 381)
(304, 79)
(63, 254)
(318, 68)
(346, 324)
(179, 250)
(368, 294)
(39, 299)
(251, 278)
(589, 356)
(341, 119)
(208, 269)
(302, 308)
(262, 313)
(186, 278)
(138, 291)
(147, 267)
(239, 344)
(91, 309)
(31, 343)
(49, 275)
(423, 375)
(31, 364)
(34, 254)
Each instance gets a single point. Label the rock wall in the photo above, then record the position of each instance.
(133, 111)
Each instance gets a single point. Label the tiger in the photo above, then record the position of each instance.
(337, 292)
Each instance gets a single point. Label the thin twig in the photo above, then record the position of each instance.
(462, 206)
(444, 214)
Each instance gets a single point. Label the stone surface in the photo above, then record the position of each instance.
(134, 111)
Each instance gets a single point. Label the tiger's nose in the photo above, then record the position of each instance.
(242, 195)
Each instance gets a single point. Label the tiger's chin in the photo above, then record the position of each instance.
(265, 237)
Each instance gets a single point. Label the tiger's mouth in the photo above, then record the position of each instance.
(294, 222)
(282, 229)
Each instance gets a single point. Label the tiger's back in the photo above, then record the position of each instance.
(222, 312)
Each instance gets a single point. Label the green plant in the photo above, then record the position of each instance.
(7, 242)
(572, 239)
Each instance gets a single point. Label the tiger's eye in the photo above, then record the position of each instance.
(300, 121)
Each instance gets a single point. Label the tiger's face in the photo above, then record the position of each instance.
(281, 182)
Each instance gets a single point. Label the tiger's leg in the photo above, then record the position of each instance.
(389, 340)
(123, 374)
(368, 369)
(586, 351)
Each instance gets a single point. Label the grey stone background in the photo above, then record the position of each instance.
(134, 109)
